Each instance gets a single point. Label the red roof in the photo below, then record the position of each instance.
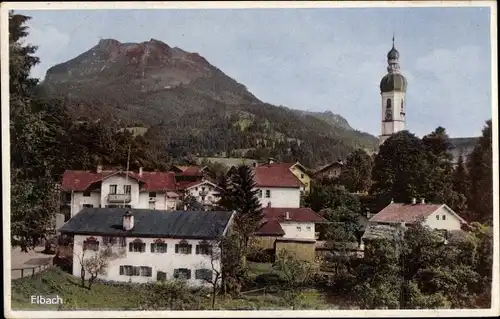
(269, 228)
(152, 181)
(273, 216)
(275, 175)
(190, 170)
(408, 213)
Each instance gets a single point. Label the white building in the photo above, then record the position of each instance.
(393, 93)
(205, 192)
(106, 188)
(277, 186)
(150, 246)
(436, 216)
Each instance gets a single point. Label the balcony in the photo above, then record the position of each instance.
(119, 198)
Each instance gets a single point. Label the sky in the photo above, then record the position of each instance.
(322, 59)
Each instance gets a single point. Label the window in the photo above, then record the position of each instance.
(268, 193)
(259, 193)
(183, 248)
(112, 189)
(108, 240)
(437, 217)
(127, 189)
(126, 270)
(402, 106)
(111, 206)
(204, 249)
(203, 189)
(67, 197)
(122, 241)
(88, 205)
(86, 194)
(182, 273)
(301, 175)
(308, 227)
(152, 194)
(204, 274)
(91, 244)
(443, 217)
(299, 228)
(388, 110)
(133, 271)
(161, 276)
(146, 271)
(137, 246)
(158, 248)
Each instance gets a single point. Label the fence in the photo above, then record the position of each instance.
(29, 271)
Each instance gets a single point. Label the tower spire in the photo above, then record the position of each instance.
(393, 40)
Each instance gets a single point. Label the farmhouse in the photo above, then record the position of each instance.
(117, 188)
(205, 192)
(151, 246)
(331, 170)
(435, 216)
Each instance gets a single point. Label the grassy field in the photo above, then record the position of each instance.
(54, 281)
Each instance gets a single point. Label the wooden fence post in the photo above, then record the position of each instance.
(34, 270)
(22, 272)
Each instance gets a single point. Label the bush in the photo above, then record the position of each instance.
(269, 280)
(261, 256)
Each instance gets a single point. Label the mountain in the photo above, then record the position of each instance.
(192, 106)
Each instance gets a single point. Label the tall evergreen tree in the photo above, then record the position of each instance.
(241, 195)
(356, 174)
(479, 166)
(460, 177)
(438, 180)
(34, 193)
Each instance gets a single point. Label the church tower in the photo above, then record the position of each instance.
(393, 91)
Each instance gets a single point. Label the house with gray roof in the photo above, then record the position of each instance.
(150, 245)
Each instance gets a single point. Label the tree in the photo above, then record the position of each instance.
(241, 195)
(399, 169)
(438, 180)
(215, 260)
(356, 173)
(479, 167)
(189, 202)
(96, 264)
(417, 268)
(34, 192)
(296, 274)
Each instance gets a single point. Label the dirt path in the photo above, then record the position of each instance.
(27, 261)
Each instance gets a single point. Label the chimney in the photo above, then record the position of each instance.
(287, 215)
(422, 200)
(140, 171)
(413, 200)
(128, 221)
(270, 160)
(392, 200)
(99, 169)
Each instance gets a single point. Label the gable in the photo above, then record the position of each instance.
(450, 214)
